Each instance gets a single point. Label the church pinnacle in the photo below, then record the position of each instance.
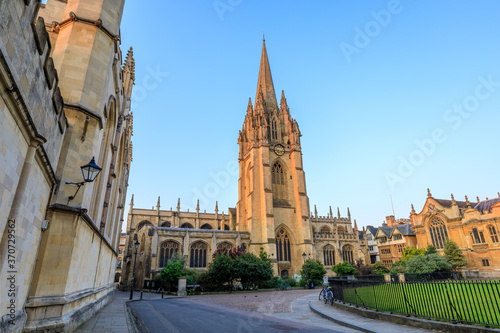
(265, 87)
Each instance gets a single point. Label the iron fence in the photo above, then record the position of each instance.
(456, 301)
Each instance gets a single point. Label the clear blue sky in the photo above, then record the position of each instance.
(366, 81)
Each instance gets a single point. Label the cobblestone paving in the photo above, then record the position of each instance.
(263, 302)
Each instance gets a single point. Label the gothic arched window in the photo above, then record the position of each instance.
(187, 226)
(347, 254)
(143, 224)
(165, 224)
(274, 130)
(438, 232)
(283, 245)
(206, 226)
(278, 179)
(225, 246)
(493, 234)
(244, 247)
(329, 255)
(198, 255)
(167, 250)
(324, 230)
(341, 230)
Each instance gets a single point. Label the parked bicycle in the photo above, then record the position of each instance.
(284, 286)
(329, 296)
(322, 293)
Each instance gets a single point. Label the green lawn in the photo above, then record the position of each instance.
(469, 301)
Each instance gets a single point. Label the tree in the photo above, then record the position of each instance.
(362, 268)
(379, 268)
(399, 266)
(171, 273)
(252, 270)
(344, 268)
(410, 252)
(233, 253)
(222, 271)
(454, 254)
(427, 264)
(314, 270)
(431, 249)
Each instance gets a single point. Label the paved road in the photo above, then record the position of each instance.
(192, 315)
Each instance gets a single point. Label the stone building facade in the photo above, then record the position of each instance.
(472, 225)
(272, 211)
(65, 98)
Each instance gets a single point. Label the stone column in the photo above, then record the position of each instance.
(181, 289)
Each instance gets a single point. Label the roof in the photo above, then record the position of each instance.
(405, 229)
(386, 230)
(447, 203)
(486, 204)
(372, 230)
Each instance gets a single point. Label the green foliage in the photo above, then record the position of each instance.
(454, 254)
(222, 271)
(251, 270)
(172, 272)
(363, 269)
(410, 252)
(272, 283)
(431, 249)
(291, 282)
(427, 264)
(313, 270)
(344, 268)
(379, 268)
(398, 267)
(205, 281)
(264, 256)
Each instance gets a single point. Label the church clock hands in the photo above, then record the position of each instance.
(279, 150)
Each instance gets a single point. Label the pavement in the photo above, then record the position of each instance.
(114, 317)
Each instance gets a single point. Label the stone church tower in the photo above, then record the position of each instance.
(272, 199)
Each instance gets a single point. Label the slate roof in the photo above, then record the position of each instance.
(373, 230)
(386, 230)
(405, 230)
(486, 204)
(447, 203)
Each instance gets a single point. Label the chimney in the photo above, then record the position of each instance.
(391, 220)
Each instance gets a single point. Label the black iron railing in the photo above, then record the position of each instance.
(456, 301)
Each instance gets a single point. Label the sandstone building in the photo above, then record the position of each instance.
(272, 210)
(473, 226)
(65, 98)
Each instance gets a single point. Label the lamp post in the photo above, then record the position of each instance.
(136, 245)
(89, 172)
(304, 255)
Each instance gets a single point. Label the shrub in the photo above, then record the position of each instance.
(205, 281)
(379, 268)
(363, 269)
(291, 282)
(431, 249)
(222, 271)
(427, 264)
(398, 267)
(252, 271)
(453, 254)
(274, 282)
(344, 268)
(313, 270)
(410, 252)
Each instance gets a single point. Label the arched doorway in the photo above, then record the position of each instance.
(284, 274)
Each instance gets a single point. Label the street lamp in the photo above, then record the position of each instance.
(136, 245)
(89, 172)
(304, 255)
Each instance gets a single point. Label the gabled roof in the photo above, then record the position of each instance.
(383, 231)
(405, 229)
(486, 204)
(372, 230)
(447, 203)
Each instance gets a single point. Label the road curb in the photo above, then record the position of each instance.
(340, 322)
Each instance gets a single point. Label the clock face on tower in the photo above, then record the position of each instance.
(279, 150)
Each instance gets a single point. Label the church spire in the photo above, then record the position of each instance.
(265, 81)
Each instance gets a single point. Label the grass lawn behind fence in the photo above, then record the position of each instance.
(468, 301)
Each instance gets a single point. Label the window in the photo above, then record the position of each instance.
(369, 237)
(166, 224)
(206, 226)
(244, 247)
(387, 263)
(274, 130)
(398, 237)
(119, 264)
(120, 251)
(283, 246)
(167, 250)
(401, 248)
(324, 230)
(187, 226)
(385, 251)
(225, 246)
(493, 234)
(477, 236)
(278, 179)
(370, 248)
(328, 255)
(341, 230)
(438, 232)
(198, 255)
(347, 254)
(486, 262)
(383, 239)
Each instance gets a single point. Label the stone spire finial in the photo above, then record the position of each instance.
(129, 64)
(429, 195)
(178, 204)
(158, 204)
(216, 207)
(467, 202)
(453, 202)
(355, 225)
(348, 213)
(412, 209)
(331, 213)
(498, 194)
(315, 211)
(131, 205)
(249, 107)
(198, 206)
(265, 81)
(487, 198)
(478, 201)
(283, 104)
(338, 212)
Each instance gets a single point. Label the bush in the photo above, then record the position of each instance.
(427, 264)
(453, 254)
(431, 249)
(363, 269)
(410, 252)
(291, 282)
(344, 268)
(205, 281)
(379, 268)
(274, 282)
(222, 271)
(313, 270)
(252, 271)
(398, 267)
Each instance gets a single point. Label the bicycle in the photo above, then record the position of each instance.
(284, 286)
(329, 296)
(322, 293)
